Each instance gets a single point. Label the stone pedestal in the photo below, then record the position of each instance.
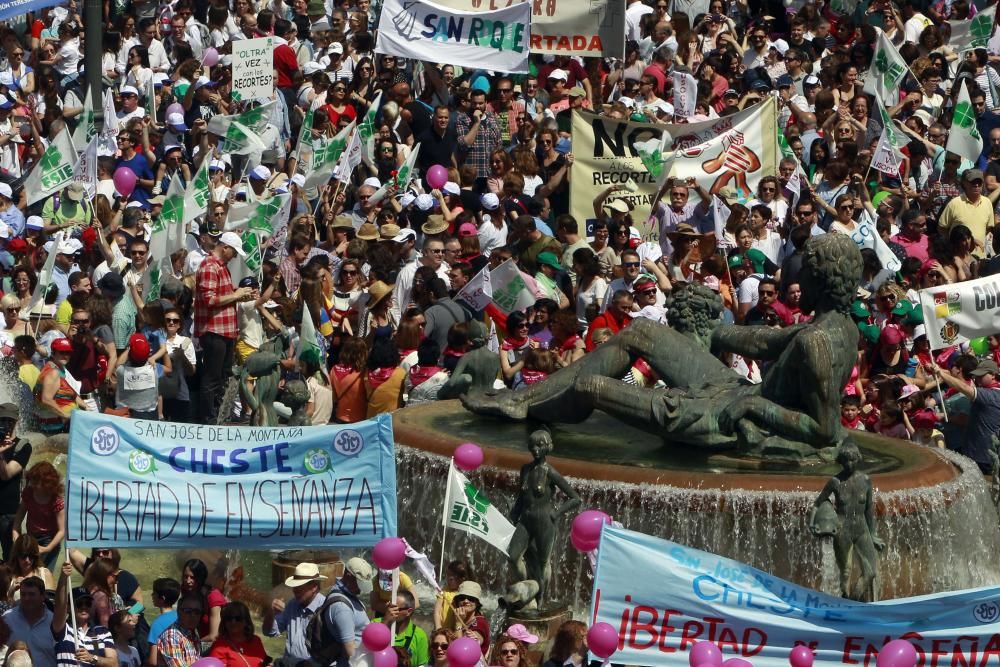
(544, 623)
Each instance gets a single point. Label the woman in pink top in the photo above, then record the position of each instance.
(43, 509)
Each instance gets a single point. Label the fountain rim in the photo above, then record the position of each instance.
(928, 466)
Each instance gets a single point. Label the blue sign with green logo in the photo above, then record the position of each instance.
(138, 483)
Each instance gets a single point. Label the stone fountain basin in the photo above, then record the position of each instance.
(933, 506)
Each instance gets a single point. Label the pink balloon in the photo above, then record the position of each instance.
(737, 662)
(437, 176)
(176, 107)
(376, 636)
(208, 662)
(897, 653)
(124, 180)
(705, 654)
(801, 656)
(385, 658)
(602, 640)
(464, 652)
(587, 525)
(210, 58)
(389, 553)
(468, 456)
(583, 546)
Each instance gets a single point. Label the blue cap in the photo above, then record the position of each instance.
(784, 81)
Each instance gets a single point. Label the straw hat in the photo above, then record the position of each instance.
(377, 291)
(343, 222)
(388, 231)
(304, 573)
(368, 232)
(435, 225)
(469, 589)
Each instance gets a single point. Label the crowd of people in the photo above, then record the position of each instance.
(378, 266)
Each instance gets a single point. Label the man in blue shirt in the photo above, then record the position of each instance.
(346, 617)
(9, 213)
(292, 617)
(984, 418)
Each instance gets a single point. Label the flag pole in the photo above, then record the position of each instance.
(72, 610)
(444, 517)
(937, 371)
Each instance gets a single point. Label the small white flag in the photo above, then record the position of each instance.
(350, 158)
(469, 510)
(964, 139)
(720, 214)
(685, 94)
(109, 133)
(85, 170)
(478, 292)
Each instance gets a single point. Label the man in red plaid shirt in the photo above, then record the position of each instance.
(215, 322)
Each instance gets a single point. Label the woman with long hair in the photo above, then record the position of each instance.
(384, 378)
(569, 645)
(514, 346)
(337, 103)
(22, 76)
(183, 361)
(408, 335)
(347, 382)
(566, 341)
(42, 510)
(237, 645)
(24, 280)
(194, 579)
(500, 164)
(26, 561)
(440, 639)
(99, 580)
(591, 287)
(510, 652)
(138, 68)
(364, 86)
(377, 318)
(348, 292)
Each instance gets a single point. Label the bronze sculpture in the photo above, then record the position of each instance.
(477, 369)
(845, 511)
(793, 412)
(535, 514)
(259, 395)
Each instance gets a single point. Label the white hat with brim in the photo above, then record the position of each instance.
(233, 240)
(362, 573)
(304, 573)
(469, 589)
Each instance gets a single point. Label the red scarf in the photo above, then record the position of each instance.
(853, 424)
(420, 374)
(511, 343)
(569, 343)
(452, 352)
(341, 371)
(379, 375)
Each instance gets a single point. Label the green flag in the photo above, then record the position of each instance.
(975, 33)
(251, 246)
(267, 212)
(964, 139)
(199, 193)
(303, 147)
(86, 128)
(656, 157)
(54, 171)
(325, 158)
(367, 128)
(887, 71)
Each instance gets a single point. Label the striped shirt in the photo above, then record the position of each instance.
(123, 320)
(178, 647)
(96, 640)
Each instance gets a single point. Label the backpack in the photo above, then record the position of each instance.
(323, 647)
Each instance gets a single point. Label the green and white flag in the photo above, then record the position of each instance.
(975, 33)
(964, 139)
(350, 158)
(304, 146)
(367, 127)
(240, 132)
(307, 336)
(251, 246)
(325, 158)
(54, 171)
(241, 140)
(469, 510)
(887, 158)
(199, 194)
(86, 128)
(44, 276)
(166, 238)
(656, 157)
(887, 71)
(402, 179)
(262, 216)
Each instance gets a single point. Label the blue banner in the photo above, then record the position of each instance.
(10, 8)
(137, 483)
(663, 597)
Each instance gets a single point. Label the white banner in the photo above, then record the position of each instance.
(567, 27)
(496, 40)
(253, 68)
(350, 158)
(974, 33)
(685, 94)
(959, 312)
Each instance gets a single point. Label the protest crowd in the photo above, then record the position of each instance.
(388, 227)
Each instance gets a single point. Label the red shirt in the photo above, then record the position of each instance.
(285, 64)
(605, 320)
(212, 283)
(42, 518)
(244, 654)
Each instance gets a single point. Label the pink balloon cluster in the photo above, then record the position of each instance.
(705, 654)
(585, 534)
(389, 553)
(124, 180)
(468, 456)
(437, 176)
(897, 653)
(464, 652)
(602, 640)
(210, 58)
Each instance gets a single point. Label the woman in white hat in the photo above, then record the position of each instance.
(469, 619)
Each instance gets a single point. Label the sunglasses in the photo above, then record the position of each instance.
(349, 273)
(846, 207)
(630, 264)
(81, 321)
(439, 645)
(508, 651)
(652, 292)
(172, 320)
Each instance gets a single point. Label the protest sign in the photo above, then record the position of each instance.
(684, 595)
(494, 40)
(734, 151)
(478, 292)
(567, 27)
(10, 8)
(865, 235)
(54, 171)
(685, 93)
(959, 312)
(165, 485)
(253, 68)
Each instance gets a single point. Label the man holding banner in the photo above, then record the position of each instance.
(984, 420)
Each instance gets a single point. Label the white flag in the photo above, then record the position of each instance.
(86, 128)
(85, 170)
(510, 292)
(307, 336)
(720, 214)
(887, 157)
(887, 71)
(109, 133)
(867, 236)
(45, 275)
(350, 158)
(403, 177)
(478, 292)
(964, 139)
(685, 94)
(974, 33)
(54, 171)
(469, 510)
(326, 157)
(656, 157)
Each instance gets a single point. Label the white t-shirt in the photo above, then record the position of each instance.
(251, 325)
(69, 57)
(491, 238)
(747, 292)
(595, 293)
(185, 344)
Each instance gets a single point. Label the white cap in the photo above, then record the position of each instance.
(311, 68)
(128, 90)
(216, 163)
(404, 234)
(232, 240)
(202, 82)
(407, 199)
(811, 80)
(34, 222)
(159, 78)
(6, 191)
(176, 119)
(490, 201)
(134, 204)
(426, 202)
(299, 180)
(781, 45)
(451, 188)
(627, 101)
(172, 147)
(47, 247)
(372, 182)
(336, 47)
(69, 247)
(260, 173)
(559, 74)
(661, 106)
